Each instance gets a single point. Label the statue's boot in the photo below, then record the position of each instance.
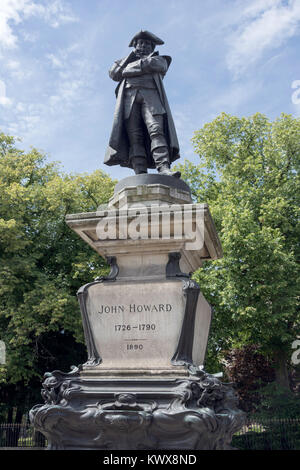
(139, 164)
(162, 162)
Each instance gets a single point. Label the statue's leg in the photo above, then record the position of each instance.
(135, 132)
(139, 164)
(159, 146)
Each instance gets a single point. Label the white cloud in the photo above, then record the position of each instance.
(13, 64)
(73, 75)
(28, 36)
(265, 24)
(4, 100)
(9, 12)
(259, 6)
(296, 93)
(14, 12)
(20, 108)
(296, 97)
(17, 70)
(50, 107)
(57, 13)
(55, 61)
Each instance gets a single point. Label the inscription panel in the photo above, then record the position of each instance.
(136, 325)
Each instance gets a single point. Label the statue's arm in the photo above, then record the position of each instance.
(151, 64)
(115, 72)
(155, 64)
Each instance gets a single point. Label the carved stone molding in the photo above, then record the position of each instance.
(197, 412)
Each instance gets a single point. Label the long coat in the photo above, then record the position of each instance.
(117, 152)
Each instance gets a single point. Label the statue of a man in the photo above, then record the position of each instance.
(143, 134)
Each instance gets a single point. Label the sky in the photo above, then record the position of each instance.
(233, 56)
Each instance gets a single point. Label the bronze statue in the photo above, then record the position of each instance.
(143, 134)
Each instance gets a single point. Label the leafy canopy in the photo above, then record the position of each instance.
(249, 176)
(42, 262)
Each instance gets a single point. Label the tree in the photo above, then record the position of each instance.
(250, 371)
(42, 264)
(249, 176)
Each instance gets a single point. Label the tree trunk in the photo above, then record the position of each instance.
(19, 415)
(281, 371)
(10, 414)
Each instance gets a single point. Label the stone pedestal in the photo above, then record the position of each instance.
(146, 328)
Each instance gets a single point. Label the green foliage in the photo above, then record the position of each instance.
(249, 176)
(277, 401)
(42, 261)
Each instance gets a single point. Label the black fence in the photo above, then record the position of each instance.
(275, 434)
(272, 434)
(20, 435)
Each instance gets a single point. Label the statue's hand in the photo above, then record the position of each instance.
(115, 72)
(119, 65)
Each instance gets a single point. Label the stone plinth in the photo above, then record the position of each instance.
(169, 222)
(146, 328)
(149, 190)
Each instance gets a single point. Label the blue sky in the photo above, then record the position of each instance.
(236, 56)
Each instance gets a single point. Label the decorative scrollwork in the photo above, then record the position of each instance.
(128, 402)
(198, 412)
(58, 385)
(206, 390)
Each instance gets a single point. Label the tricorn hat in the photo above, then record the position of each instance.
(145, 35)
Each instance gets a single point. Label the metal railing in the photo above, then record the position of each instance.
(274, 434)
(271, 434)
(20, 435)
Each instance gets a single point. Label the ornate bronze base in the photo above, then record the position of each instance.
(196, 412)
